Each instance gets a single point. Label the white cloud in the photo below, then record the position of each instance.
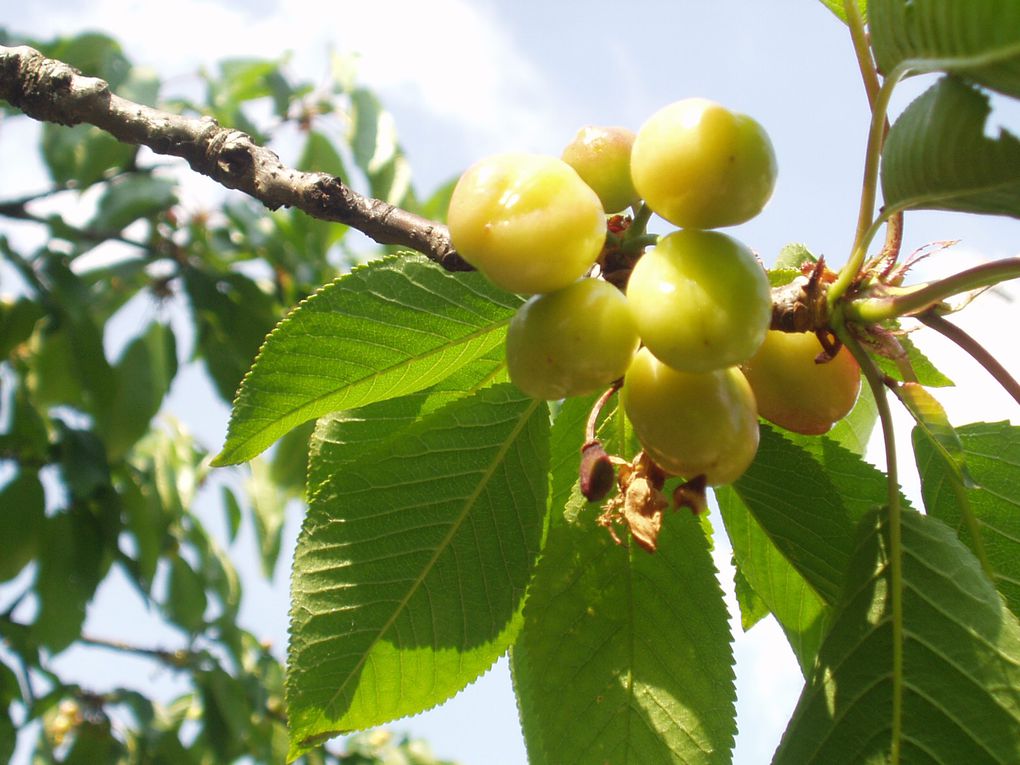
(448, 57)
(458, 81)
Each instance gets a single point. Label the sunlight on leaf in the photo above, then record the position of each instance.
(410, 570)
(961, 661)
(396, 326)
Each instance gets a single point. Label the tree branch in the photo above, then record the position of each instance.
(51, 91)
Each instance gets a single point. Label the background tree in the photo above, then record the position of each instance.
(857, 584)
(96, 480)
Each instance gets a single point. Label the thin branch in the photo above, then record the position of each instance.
(975, 349)
(179, 658)
(19, 211)
(51, 91)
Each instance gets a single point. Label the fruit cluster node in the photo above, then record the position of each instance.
(684, 319)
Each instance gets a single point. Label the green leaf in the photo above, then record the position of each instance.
(926, 372)
(992, 451)
(94, 742)
(837, 7)
(226, 714)
(320, 156)
(70, 567)
(800, 611)
(376, 150)
(793, 256)
(232, 510)
(185, 599)
(269, 505)
(26, 434)
(342, 437)
(566, 439)
(22, 521)
(937, 155)
(9, 691)
(412, 563)
(393, 327)
(83, 154)
(143, 377)
(625, 655)
(752, 607)
(931, 418)
(93, 53)
(233, 316)
(174, 468)
(221, 577)
(130, 197)
(246, 79)
(436, 206)
(289, 466)
(961, 660)
(853, 432)
(52, 378)
(146, 520)
(17, 322)
(808, 494)
(976, 40)
(83, 462)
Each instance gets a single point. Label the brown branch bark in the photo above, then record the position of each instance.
(51, 91)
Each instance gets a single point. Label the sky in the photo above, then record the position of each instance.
(467, 79)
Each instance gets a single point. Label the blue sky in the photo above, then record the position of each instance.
(466, 79)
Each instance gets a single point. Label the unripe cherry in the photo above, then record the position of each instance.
(795, 392)
(701, 299)
(571, 342)
(526, 221)
(601, 156)
(699, 165)
(692, 423)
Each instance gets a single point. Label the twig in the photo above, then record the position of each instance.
(179, 658)
(975, 349)
(18, 211)
(51, 91)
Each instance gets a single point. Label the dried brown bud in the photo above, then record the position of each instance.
(597, 474)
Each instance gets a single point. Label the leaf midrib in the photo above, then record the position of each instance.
(468, 505)
(961, 64)
(916, 200)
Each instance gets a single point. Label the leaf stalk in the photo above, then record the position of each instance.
(925, 297)
(876, 382)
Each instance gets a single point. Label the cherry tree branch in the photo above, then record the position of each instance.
(52, 91)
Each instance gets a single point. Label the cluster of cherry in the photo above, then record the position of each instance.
(689, 333)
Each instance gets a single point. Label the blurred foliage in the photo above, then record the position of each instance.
(96, 475)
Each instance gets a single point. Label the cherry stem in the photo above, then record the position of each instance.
(867, 225)
(977, 351)
(640, 222)
(596, 411)
(862, 50)
(635, 243)
(913, 300)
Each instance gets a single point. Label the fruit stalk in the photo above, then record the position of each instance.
(918, 299)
